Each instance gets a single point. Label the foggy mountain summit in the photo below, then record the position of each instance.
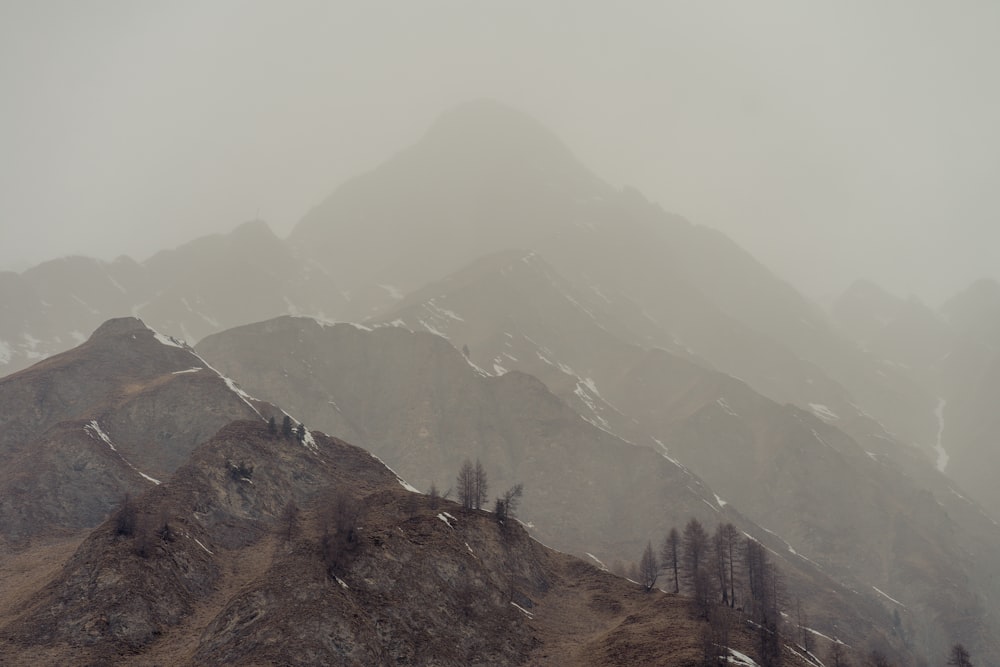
(483, 178)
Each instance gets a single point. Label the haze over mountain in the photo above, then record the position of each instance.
(832, 142)
(632, 368)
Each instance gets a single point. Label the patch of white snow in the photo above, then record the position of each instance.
(823, 412)
(889, 597)
(169, 341)
(942, 455)
(393, 292)
(523, 610)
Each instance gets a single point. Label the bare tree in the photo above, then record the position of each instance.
(465, 485)
(877, 659)
(732, 539)
(669, 555)
(505, 509)
(480, 487)
(959, 656)
(125, 517)
(803, 622)
(649, 568)
(765, 592)
(340, 540)
(695, 546)
(289, 521)
(715, 637)
(837, 657)
(720, 563)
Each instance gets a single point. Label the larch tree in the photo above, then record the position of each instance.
(480, 486)
(670, 556)
(465, 485)
(959, 656)
(649, 568)
(695, 548)
(732, 539)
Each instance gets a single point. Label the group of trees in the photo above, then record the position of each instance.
(288, 429)
(714, 569)
(145, 530)
(471, 485)
(726, 569)
(471, 490)
(339, 517)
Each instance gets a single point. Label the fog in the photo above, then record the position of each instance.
(834, 142)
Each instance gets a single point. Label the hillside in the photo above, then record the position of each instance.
(235, 582)
(413, 400)
(115, 415)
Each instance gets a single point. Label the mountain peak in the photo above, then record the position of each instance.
(118, 326)
(485, 133)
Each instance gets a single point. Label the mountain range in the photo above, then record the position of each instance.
(633, 370)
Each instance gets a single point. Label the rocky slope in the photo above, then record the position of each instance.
(112, 416)
(412, 399)
(228, 579)
(954, 352)
(830, 481)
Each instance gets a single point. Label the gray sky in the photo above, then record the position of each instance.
(833, 140)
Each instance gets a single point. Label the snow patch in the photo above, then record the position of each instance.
(193, 369)
(341, 582)
(433, 307)
(523, 610)
(942, 455)
(169, 341)
(393, 292)
(398, 478)
(597, 560)
(408, 487)
(888, 597)
(666, 453)
(94, 429)
(433, 330)
(823, 412)
(722, 403)
(445, 519)
(722, 503)
(309, 441)
(737, 658)
(202, 546)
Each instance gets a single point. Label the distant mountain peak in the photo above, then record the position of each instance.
(119, 326)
